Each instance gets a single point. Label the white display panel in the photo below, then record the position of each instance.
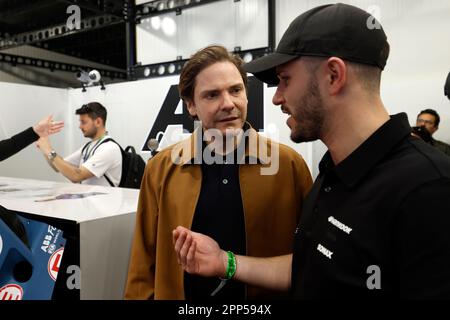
(68, 201)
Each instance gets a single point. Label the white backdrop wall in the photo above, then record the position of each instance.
(23, 106)
(417, 30)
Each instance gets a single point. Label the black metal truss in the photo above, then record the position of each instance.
(171, 68)
(56, 65)
(25, 7)
(272, 24)
(174, 67)
(159, 7)
(99, 7)
(57, 31)
(131, 15)
(130, 36)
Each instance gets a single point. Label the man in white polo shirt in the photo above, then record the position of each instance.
(99, 162)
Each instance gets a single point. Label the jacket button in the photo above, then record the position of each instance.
(327, 189)
(224, 181)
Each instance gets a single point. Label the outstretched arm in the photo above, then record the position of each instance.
(201, 255)
(47, 126)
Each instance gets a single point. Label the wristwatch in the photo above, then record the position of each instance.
(52, 155)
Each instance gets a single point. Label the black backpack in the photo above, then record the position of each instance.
(133, 166)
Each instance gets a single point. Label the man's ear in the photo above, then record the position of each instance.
(191, 108)
(98, 122)
(336, 70)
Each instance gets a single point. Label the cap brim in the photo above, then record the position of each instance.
(264, 68)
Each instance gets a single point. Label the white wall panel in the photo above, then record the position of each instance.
(252, 27)
(153, 44)
(231, 24)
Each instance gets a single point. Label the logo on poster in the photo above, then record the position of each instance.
(54, 262)
(52, 236)
(11, 292)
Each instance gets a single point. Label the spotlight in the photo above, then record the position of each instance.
(89, 78)
(171, 68)
(171, 4)
(155, 22)
(161, 70)
(169, 26)
(248, 57)
(94, 76)
(82, 76)
(160, 6)
(146, 71)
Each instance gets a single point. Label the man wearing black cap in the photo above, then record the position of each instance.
(375, 224)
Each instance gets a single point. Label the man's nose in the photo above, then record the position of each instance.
(227, 102)
(278, 98)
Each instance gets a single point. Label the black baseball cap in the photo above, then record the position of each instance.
(337, 30)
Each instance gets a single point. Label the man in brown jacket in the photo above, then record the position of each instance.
(222, 181)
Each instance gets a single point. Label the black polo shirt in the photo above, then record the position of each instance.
(377, 225)
(219, 214)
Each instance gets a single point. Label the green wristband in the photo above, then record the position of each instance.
(229, 273)
(231, 266)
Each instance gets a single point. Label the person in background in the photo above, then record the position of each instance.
(430, 119)
(422, 133)
(99, 162)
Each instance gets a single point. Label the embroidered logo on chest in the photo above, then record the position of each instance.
(339, 225)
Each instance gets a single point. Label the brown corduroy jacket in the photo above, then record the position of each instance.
(168, 198)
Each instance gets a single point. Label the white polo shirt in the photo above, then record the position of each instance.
(106, 158)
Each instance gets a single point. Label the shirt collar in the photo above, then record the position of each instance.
(358, 164)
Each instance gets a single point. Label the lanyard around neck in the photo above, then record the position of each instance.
(89, 151)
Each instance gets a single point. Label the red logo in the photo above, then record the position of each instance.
(54, 262)
(11, 292)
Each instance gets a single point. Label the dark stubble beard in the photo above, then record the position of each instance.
(91, 134)
(309, 115)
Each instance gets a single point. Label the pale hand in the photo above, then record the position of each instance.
(199, 254)
(47, 126)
